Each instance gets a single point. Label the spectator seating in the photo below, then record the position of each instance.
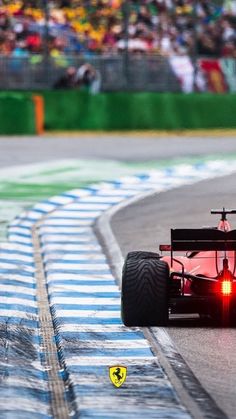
(90, 27)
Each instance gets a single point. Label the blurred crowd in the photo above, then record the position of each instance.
(89, 27)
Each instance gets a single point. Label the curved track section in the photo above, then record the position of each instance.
(209, 351)
(84, 302)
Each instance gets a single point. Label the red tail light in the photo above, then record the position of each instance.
(226, 287)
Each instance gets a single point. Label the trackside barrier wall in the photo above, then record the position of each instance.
(76, 110)
(17, 114)
(73, 110)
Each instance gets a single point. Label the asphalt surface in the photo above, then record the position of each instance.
(209, 351)
(124, 147)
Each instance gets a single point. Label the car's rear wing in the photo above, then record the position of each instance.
(202, 239)
(195, 240)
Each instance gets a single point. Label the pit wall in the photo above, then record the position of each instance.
(74, 110)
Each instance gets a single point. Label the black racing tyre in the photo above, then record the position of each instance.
(138, 254)
(144, 296)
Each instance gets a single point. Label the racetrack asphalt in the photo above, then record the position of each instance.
(124, 147)
(209, 351)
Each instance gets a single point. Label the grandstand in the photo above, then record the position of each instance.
(125, 41)
(97, 27)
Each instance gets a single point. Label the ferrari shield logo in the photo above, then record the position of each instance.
(117, 375)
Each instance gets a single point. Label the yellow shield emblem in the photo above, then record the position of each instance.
(118, 375)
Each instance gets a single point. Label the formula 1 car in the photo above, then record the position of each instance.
(200, 281)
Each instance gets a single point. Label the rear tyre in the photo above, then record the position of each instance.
(144, 297)
(142, 255)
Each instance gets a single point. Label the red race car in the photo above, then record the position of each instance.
(202, 280)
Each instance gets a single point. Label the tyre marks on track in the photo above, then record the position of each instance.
(58, 402)
(23, 384)
(201, 402)
(84, 301)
